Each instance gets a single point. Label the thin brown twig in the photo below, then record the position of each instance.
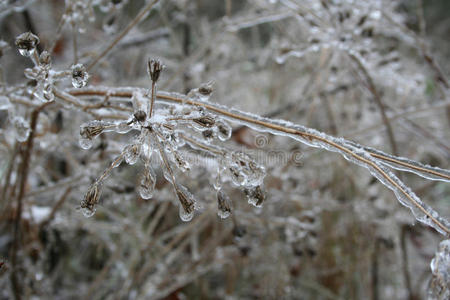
(23, 170)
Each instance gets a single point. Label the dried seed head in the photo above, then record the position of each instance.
(154, 68)
(255, 195)
(90, 200)
(223, 204)
(26, 43)
(79, 76)
(45, 58)
(205, 121)
(140, 116)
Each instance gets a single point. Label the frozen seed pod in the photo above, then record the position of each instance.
(79, 76)
(147, 183)
(45, 59)
(187, 203)
(223, 130)
(90, 200)
(26, 43)
(223, 204)
(203, 122)
(21, 129)
(90, 130)
(255, 195)
(206, 89)
(132, 153)
(208, 135)
(140, 116)
(154, 68)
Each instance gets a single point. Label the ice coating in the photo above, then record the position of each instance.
(314, 138)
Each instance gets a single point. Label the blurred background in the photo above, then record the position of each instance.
(374, 72)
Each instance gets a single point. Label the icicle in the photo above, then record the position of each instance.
(223, 204)
(147, 183)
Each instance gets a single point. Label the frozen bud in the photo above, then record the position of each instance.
(206, 89)
(187, 202)
(181, 163)
(147, 183)
(45, 58)
(205, 121)
(223, 130)
(154, 68)
(79, 76)
(26, 43)
(140, 116)
(208, 134)
(90, 200)
(132, 153)
(223, 204)
(255, 196)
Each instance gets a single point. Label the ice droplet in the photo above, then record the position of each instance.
(88, 212)
(148, 181)
(223, 130)
(21, 129)
(48, 92)
(123, 127)
(185, 216)
(26, 43)
(132, 153)
(187, 203)
(79, 76)
(85, 143)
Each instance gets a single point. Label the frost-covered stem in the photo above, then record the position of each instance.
(152, 99)
(202, 145)
(164, 158)
(124, 32)
(111, 167)
(310, 136)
